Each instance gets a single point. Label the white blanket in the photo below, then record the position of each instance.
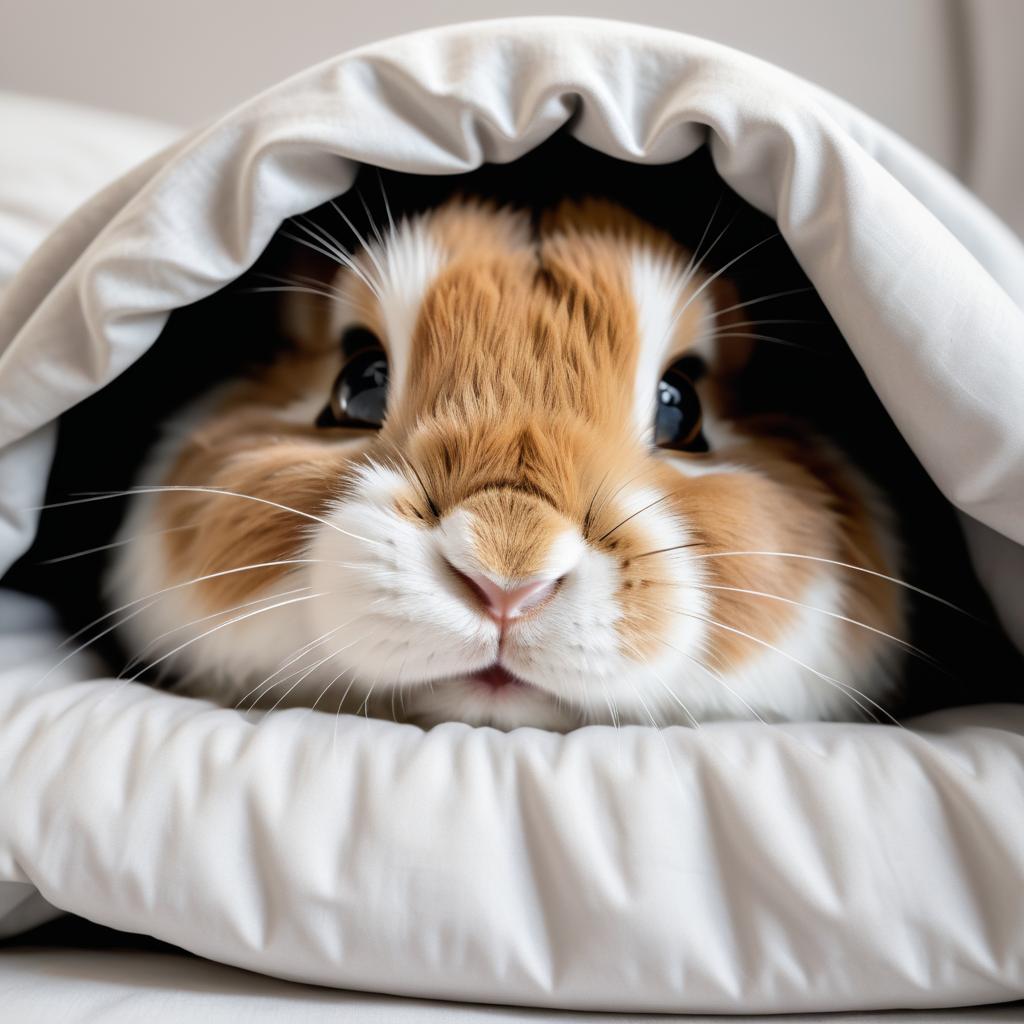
(42, 986)
(733, 868)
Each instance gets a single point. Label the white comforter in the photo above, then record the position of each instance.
(732, 868)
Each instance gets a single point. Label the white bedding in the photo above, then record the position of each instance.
(735, 868)
(55, 156)
(73, 986)
(83, 986)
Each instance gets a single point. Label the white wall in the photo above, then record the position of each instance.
(187, 60)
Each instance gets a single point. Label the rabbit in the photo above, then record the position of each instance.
(505, 476)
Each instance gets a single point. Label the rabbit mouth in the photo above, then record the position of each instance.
(492, 696)
(496, 678)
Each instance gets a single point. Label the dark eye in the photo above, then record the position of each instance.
(360, 392)
(357, 339)
(677, 421)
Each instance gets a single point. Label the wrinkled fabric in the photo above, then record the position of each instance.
(54, 156)
(733, 868)
(40, 986)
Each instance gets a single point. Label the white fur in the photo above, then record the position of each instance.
(661, 287)
(374, 615)
(397, 623)
(424, 637)
(809, 674)
(402, 270)
(228, 661)
(399, 627)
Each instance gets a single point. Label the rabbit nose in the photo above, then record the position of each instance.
(505, 603)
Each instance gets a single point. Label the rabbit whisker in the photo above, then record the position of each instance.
(91, 496)
(295, 657)
(288, 662)
(760, 298)
(323, 246)
(697, 259)
(303, 279)
(842, 565)
(392, 230)
(223, 625)
(618, 490)
(431, 504)
(717, 676)
(324, 691)
(906, 644)
(772, 320)
(367, 248)
(115, 544)
(766, 337)
(304, 675)
(205, 618)
(188, 583)
(374, 229)
(587, 517)
(830, 680)
(639, 511)
(302, 671)
(331, 249)
(717, 274)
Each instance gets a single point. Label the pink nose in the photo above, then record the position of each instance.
(504, 603)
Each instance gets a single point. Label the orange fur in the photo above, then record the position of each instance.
(518, 409)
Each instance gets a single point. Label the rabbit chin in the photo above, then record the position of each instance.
(475, 700)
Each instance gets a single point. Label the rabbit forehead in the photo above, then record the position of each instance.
(578, 313)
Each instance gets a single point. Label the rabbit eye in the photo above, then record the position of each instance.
(356, 339)
(677, 421)
(359, 395)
